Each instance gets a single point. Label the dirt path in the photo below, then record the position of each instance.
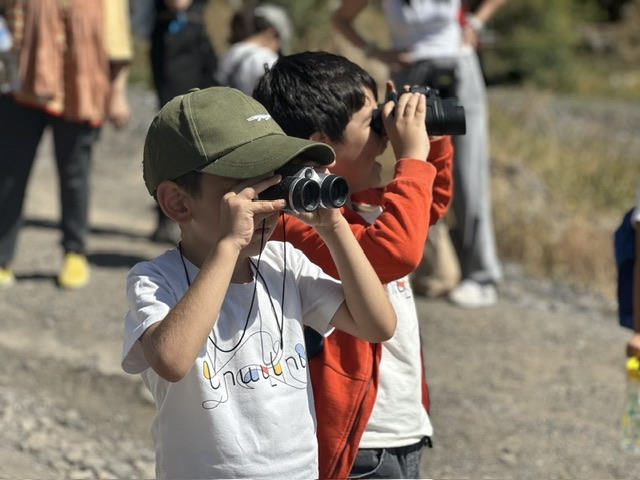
(531, 388)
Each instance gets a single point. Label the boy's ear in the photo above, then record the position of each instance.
(173, 202)
(319, 137)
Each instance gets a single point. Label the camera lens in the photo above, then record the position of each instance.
(333, 191)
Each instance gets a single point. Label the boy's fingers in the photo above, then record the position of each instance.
(391, 98)
(252, 187)
(387, 109)
(414, 103)
(268, 206)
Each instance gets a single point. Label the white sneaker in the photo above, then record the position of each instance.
(471, 294)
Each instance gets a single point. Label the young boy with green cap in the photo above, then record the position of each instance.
(215, 325)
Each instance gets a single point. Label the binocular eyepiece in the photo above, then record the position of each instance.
(444, 115)
(305, 190)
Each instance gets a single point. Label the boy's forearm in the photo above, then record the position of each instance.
(373, 316)
(441, 157)
(173, 345)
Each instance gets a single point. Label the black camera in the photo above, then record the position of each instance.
(444, 115)
(305, 190)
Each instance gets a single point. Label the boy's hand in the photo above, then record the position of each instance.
(404, 122)
(240, 214)
(324, 220)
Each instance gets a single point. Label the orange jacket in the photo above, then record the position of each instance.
(344, 374)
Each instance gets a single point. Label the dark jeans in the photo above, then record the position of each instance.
(21, 130)
(400, 462)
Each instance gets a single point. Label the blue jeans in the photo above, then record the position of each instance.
(399, 462)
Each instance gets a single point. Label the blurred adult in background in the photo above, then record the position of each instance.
(633, 347)
(73, 58)
(182, 57)
(259, 35)
(433, 44)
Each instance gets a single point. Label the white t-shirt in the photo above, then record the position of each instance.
(398, 418)
(243, 65)
(429, 28)
(245, 409)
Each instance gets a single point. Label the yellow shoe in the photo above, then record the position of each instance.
(75, 271)
(7, 278)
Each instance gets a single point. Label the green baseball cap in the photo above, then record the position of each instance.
(222, 131)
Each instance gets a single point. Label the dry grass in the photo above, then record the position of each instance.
(560, 186)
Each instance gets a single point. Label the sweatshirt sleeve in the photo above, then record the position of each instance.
(441, 156)
(395, 241)
(117, 30)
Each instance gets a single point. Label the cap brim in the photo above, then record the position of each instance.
(267, 154)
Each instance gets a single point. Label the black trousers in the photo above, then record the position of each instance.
(21, 130)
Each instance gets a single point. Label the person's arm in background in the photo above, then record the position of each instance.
(178, 5)
(343, 19)
(118, 111)
(475, 21)
(633, 347)
(119, 50)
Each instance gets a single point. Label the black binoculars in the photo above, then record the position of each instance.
(305, 190)
(444, 115)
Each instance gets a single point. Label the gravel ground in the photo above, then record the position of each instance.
(530, 388)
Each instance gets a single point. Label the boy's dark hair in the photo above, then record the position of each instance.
(189, 182)
(314, 92)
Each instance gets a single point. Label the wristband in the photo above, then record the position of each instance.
(474, 22)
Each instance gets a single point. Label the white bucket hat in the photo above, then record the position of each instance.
(279, 19)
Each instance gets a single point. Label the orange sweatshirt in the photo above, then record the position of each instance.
(344, 374)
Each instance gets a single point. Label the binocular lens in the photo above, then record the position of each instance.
(305, 190)
(304, 195)
(333, 191)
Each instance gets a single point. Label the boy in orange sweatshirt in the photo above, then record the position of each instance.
(369, 397)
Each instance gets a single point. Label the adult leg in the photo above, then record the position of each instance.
(471, 199)
(74, 146)
(21, 130)
(438, 271)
